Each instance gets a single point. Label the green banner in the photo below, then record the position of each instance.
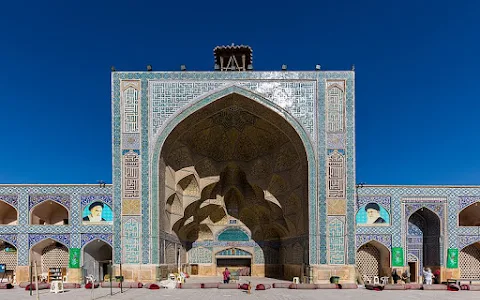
(452, 258)
(74, 261)
(397, 257)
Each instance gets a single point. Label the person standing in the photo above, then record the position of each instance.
(226, 276)
(428, 275)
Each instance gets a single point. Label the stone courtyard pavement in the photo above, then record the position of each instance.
(214, 294)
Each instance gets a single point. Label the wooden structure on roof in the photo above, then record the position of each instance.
(233, 58)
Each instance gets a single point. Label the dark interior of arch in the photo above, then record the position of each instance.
(470, 216)
(236, 162)
(427, 225)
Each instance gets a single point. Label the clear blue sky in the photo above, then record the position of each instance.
(417, 82)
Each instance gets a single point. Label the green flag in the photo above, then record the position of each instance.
(452, 258)
(74, 262)
(397, 257)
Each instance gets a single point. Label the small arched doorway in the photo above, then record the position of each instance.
(469, 262)
(53, 257)
(49, 213)
(8, 214)
(423, 239)
(373, 259)
(97, 256)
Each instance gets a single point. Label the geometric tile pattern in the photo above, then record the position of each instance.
(24, 236)
(10, 199)
(88, 237)
(200, 255)
(61, 199)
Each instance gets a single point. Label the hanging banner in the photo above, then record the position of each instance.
(397, 257)
(74, 261)
(452, 258)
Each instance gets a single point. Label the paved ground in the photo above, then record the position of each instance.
(214, 294)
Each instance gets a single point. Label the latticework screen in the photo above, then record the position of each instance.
(368, 260)
(8, 258)
(54, 256)
(469, 263)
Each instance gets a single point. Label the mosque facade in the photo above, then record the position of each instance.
(237, 168)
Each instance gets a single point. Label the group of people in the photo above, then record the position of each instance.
(405, 276)
(428, 276)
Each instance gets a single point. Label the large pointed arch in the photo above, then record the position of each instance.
(202, 102)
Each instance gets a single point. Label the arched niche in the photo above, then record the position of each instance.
(470, 215)
(8, 256)
(373, 259)
(423, 230)
(51, 254)
(469, 262)
(96, 258)
(8, 214)
(49, 213)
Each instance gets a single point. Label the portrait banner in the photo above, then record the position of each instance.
(372, 214)
(397, 257)
(74, 261)
(452, 258)
(97, 212)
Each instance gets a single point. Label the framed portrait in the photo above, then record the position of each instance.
(97, 212)
(372, 214)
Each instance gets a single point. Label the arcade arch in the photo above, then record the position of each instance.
(236, 163)
(424, 228)
(8, 214)
(469, 262)
(49, 213)
(373, 259)
(8, 256)
(470, 215)
(51, 254)
(97, 256)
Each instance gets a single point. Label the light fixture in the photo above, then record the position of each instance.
(284, 67)
(183, 67)
(112, 68)
(318, 67)
(149, 68)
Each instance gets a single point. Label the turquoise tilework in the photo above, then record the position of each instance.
(445, 201)
(27, 235)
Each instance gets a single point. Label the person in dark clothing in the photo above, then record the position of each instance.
(395, 276)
